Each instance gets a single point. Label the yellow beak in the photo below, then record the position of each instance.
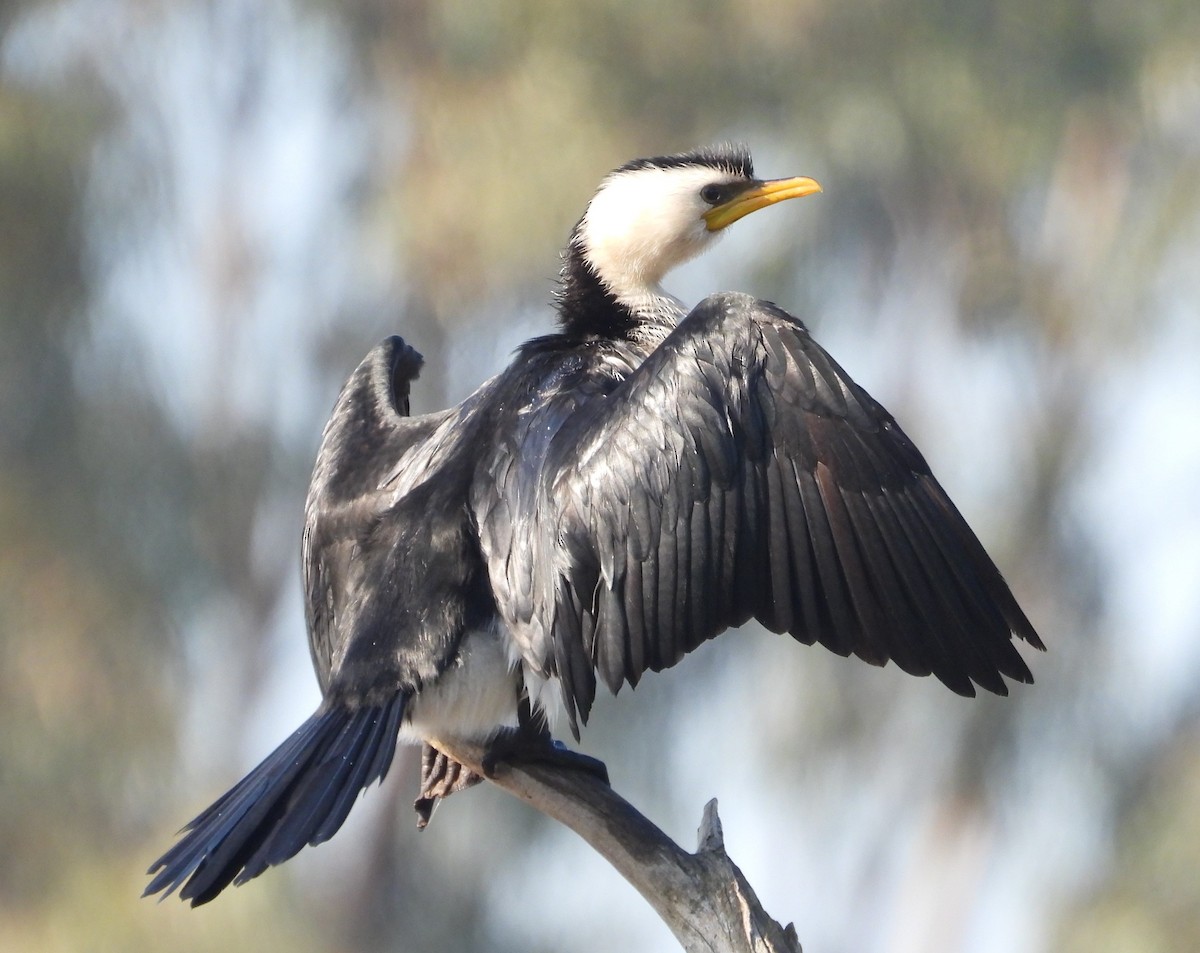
(758, 196)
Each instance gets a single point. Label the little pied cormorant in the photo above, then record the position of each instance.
(632, 485)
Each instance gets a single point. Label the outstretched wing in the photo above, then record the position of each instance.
(740, 473)
(369, 429)
(369, 445)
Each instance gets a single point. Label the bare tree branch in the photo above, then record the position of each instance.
(703, 897)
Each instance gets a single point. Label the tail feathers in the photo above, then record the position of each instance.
(300, 794)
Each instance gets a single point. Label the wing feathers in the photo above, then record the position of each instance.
(780, 609)
(806, 591)
(740, 472)
(862, 598)
(839, 630)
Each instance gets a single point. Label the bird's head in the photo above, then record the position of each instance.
(651, 215)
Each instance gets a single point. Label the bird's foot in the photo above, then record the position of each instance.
(524, 746)
(529, 743)
(440, 777)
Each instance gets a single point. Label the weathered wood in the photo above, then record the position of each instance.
(703, 897)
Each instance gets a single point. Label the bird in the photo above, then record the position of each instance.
(634, 483)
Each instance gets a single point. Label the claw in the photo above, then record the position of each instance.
(440, 777)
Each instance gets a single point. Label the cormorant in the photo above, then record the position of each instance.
(632, 485)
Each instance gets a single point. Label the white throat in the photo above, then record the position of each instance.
(639, 226)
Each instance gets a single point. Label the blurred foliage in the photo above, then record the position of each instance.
(80, 626)
(1151, 901)
(1044, 150)
(923, 108)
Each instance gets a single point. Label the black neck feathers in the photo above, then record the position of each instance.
(586, 308)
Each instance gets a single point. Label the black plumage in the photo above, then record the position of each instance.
(628, 488)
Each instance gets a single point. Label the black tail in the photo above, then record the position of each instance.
(300, 794)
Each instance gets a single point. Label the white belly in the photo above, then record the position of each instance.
(472, 699)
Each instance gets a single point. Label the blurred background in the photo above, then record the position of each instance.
(211, 209)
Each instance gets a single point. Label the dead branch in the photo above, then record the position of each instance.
(703, 897)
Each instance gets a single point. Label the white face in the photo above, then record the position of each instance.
(643, 223)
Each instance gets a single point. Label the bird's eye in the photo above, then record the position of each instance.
(712, 194)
